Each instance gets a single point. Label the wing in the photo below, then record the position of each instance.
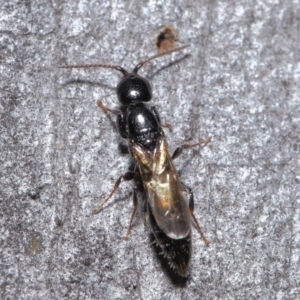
(165, 194)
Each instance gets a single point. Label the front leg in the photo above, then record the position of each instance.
(107, 109)
(121, 125)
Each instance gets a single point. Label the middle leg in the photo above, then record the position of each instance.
(180, 149)
(125, 177)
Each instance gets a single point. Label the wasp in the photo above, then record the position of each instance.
(169, 202)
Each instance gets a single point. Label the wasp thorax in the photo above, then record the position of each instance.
(134, 88)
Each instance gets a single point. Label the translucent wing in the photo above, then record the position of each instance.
(165, 194)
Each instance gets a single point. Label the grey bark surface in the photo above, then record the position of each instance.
(60, 158)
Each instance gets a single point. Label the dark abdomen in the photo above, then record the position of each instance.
(177, 252)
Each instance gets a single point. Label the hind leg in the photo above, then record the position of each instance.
(191, 206)
(135, 204)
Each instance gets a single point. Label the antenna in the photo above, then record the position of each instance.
(122, 70)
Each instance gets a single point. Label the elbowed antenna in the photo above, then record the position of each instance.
(122, 70)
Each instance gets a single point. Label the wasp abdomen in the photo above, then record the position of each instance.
(176, 251)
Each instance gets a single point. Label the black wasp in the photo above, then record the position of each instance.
(170, 203)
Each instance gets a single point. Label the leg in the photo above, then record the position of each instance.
(166, 125)
(120, 118)
(179, 149)
(191, 204)
(106, 109)
(135, 203)
(127, 176)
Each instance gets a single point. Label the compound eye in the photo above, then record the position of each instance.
(134, 88)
